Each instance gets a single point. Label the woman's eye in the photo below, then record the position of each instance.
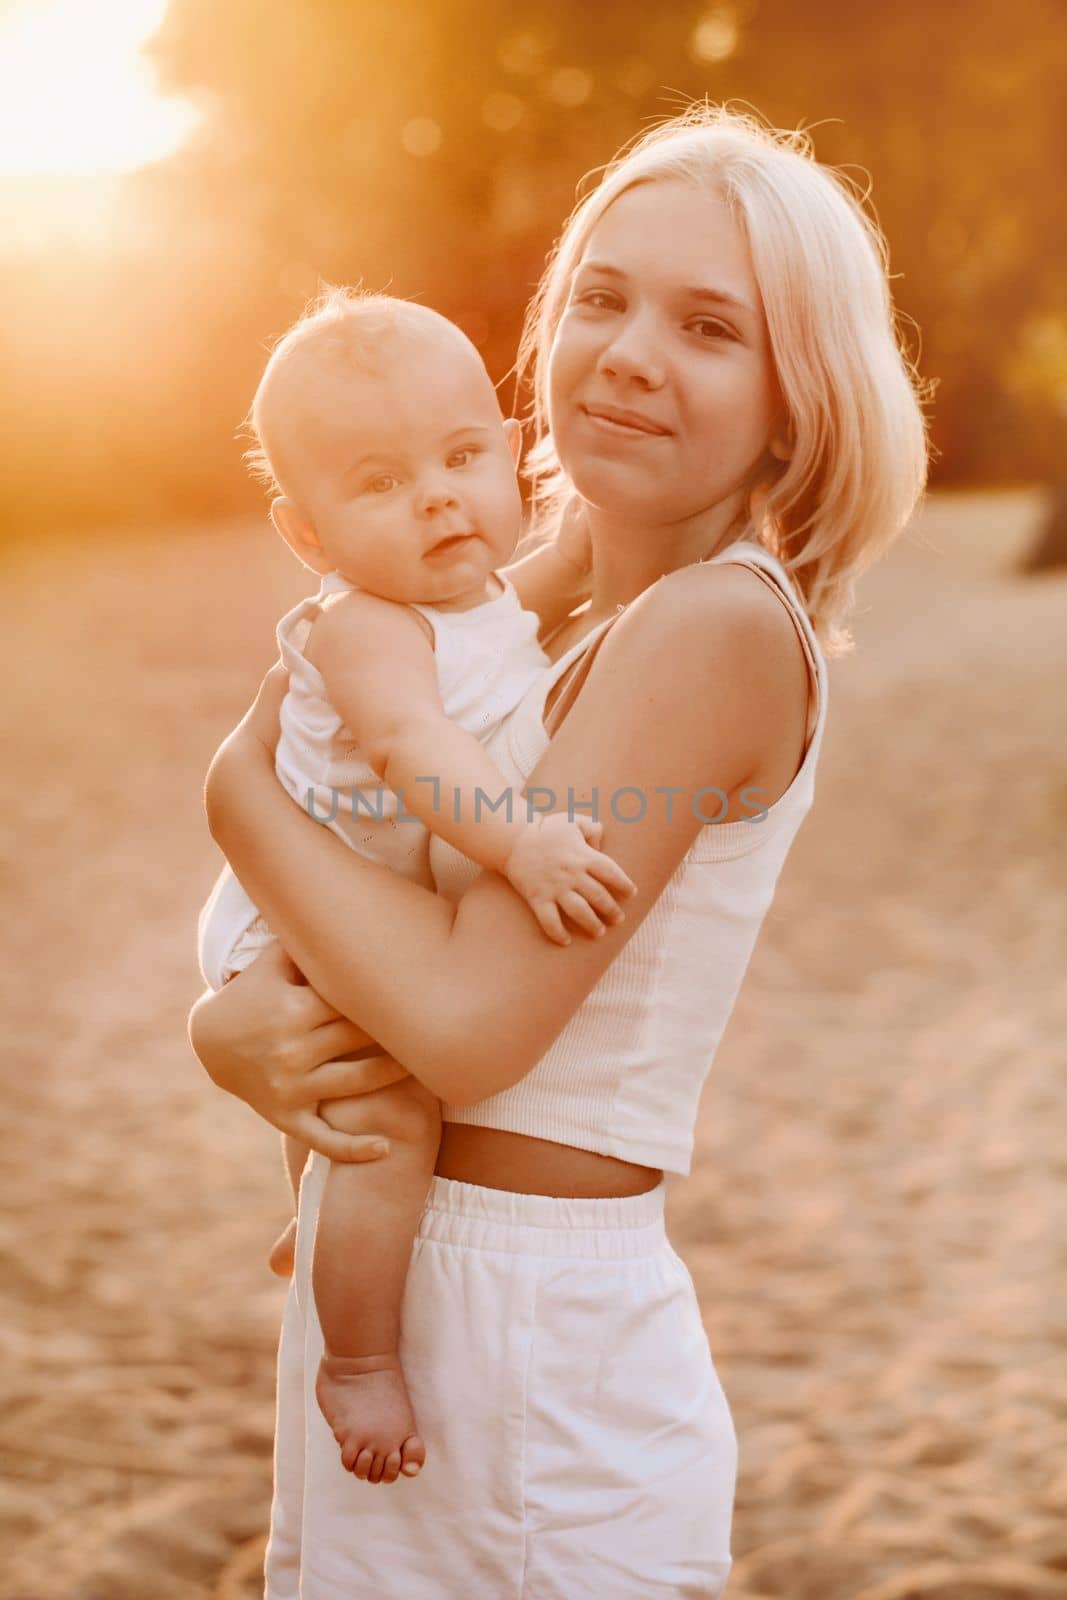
(708, 328)
(599, 299)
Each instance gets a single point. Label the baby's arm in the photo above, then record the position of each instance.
(554, 578)
(380, 675)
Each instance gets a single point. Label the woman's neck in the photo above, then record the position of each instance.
(629, 558)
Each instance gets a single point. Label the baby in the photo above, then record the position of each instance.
(396, 481)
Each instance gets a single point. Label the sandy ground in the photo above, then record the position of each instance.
(875, 1220)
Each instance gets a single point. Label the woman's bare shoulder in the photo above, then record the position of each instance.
(722, 657)
(721, 619)
(713, 592)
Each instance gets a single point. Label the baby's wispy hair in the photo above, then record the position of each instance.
(347, 324)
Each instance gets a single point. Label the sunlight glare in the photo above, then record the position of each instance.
(77, 95)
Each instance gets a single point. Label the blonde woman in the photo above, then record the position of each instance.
(721, 394)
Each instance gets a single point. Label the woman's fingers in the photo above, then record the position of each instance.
(336, 1146)
(338, 1080)
(339, 1037)
(274, 966)
(304, 1004)
(327, 1031)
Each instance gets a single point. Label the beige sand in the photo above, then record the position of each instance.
(876, 1217)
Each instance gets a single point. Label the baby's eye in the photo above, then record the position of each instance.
(381, 484)
(462, 457)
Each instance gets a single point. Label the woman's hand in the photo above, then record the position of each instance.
(269, 1039)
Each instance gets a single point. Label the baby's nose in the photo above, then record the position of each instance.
(437, 493)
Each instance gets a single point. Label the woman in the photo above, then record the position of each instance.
(720, 388)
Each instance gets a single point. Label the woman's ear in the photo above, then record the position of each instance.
(299, 534)
(513, 434)
(781, 443)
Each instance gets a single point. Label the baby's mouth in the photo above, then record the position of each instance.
(453, 542)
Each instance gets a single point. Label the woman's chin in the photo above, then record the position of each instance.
(630, 511)
(617, 492)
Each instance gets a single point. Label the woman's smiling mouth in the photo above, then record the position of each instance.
(616, 420)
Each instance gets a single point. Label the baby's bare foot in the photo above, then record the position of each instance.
(366, 1402)
(283, 1252)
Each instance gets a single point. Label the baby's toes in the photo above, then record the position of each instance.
(413, 1452)
(349, 1451)
(364, 1462)
(376, 1470)
(391, 1470)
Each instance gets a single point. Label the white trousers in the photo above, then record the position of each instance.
(578, 1440)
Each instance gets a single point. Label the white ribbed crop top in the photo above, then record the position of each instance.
(624, 1075)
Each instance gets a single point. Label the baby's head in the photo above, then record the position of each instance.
(378, 428)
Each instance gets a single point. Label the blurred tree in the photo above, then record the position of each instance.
(433, 147)
(954, 110)
(1049, 549)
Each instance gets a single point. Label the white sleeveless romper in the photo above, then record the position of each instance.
(487, 658)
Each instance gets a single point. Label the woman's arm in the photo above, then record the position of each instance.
(690, 688)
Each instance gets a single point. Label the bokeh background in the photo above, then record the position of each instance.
(875, 1220)
(434, 146)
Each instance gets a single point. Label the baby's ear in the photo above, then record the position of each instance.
(298, 533)
(513, 434)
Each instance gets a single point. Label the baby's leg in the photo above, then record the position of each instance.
(367, 1222)
(295, 1153)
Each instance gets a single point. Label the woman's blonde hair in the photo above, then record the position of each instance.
(858, 434)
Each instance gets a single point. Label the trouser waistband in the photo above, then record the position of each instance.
(537, 1224)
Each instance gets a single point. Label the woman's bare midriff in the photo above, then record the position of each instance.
(496, 1159)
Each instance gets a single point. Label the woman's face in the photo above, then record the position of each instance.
(662, 394)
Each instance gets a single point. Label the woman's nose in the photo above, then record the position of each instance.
(634, 353)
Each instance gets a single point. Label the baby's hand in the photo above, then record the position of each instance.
(556, 867)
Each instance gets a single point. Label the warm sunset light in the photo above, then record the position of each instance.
(78, 96)
(732, 1277)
